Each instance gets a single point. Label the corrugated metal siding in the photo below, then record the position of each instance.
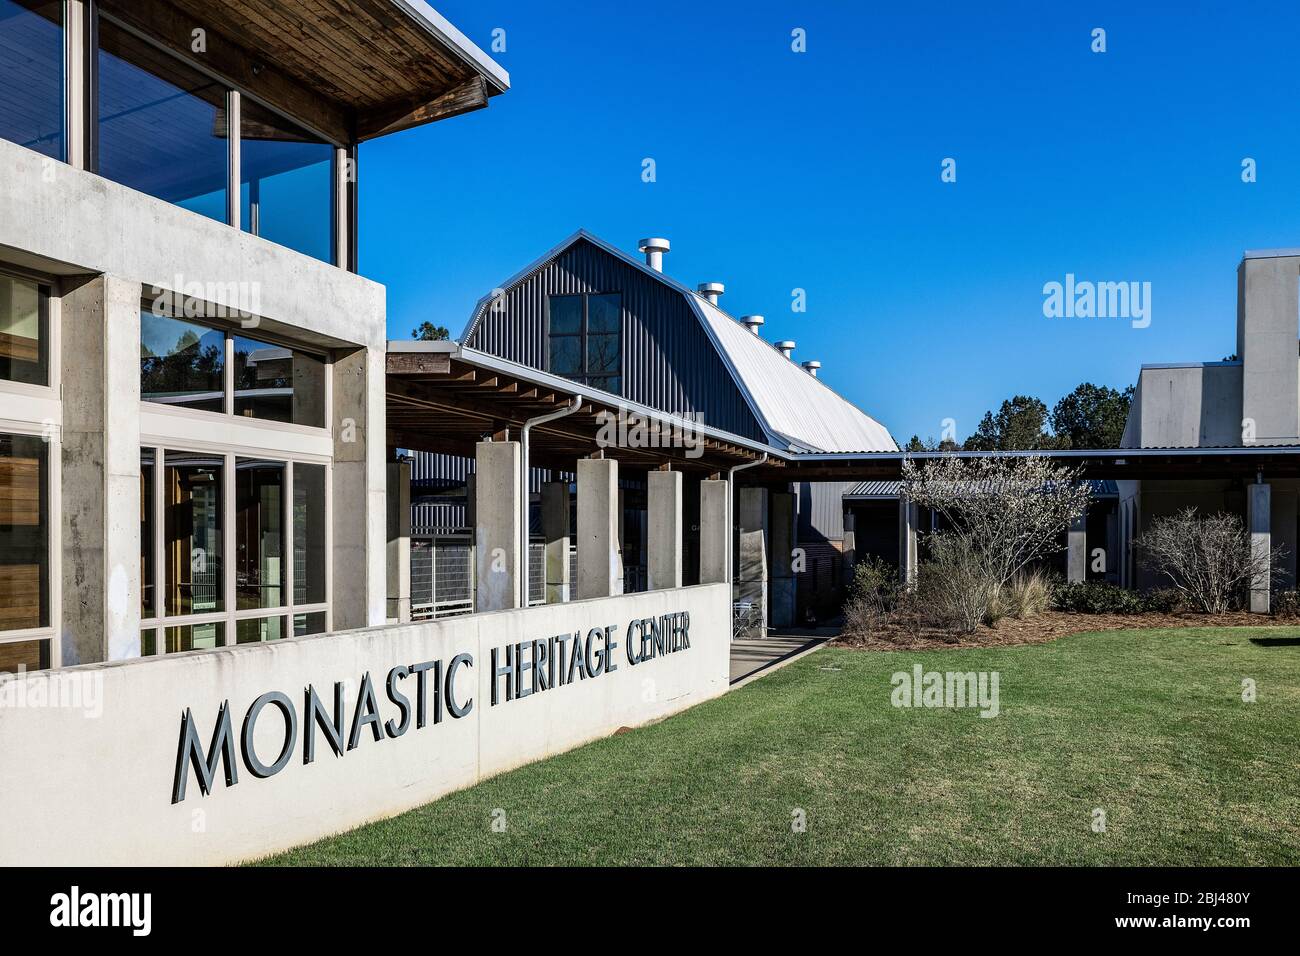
(668, 361)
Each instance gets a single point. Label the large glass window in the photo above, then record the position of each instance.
(278, 384)
(308, 534)
(24, 346)
(192, 533)
(31, 74)
(181, 363)
(286, 192)
(585, 339)
(259, 533)
(148, 607)
(161, 124)
(24, 535)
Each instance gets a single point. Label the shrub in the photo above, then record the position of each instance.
(1029, 593)
(1208, 558)
(873, 596)
(1164, 601)
(1286, 604)
(1097, 597)
(954, 588)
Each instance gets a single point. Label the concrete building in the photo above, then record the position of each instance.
(600, 316)
(191, 371)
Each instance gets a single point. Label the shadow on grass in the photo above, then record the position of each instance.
(1276, 641)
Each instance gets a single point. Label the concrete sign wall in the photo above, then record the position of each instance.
(220, 756)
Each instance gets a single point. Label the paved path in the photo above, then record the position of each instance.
(752, 657)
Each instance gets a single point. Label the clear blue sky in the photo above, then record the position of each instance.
(821, 171)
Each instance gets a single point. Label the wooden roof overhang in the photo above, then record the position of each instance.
(350, 70)
(439, 401)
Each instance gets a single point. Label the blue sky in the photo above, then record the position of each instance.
(778, 170)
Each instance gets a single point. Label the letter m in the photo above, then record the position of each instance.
(190, 752)
(1112, 300)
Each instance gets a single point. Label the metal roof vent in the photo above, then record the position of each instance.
(654, 250)
(752, 322)
(811, 367)
(786, 347)
(711, 290)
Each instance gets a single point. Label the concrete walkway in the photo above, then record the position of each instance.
(751, 658)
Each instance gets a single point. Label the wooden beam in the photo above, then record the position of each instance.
(418, 363)
(465, 98)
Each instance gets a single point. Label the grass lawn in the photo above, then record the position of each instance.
(1149, 726)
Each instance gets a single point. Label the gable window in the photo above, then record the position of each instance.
(584, 339)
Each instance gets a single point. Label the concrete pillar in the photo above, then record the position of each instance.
(1267, 298)
(664, 517)
(715, 531)
(100, 478)
(555, 531)
(360, 587)
(399, 541)
(909, 516)
(1076, 554)
(751, 558)
(496, 529)
(782, 588)
(1259, 523)
(600, 563)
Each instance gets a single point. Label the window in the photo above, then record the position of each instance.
(24, 551)
(585, 339)
(161, 124)
(31, 74)
(24, 323)
(220, 587)
(183, 364)
(286, 193)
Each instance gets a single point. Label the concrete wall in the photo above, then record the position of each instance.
(100, 789)
(1188, 406)
(1266, 344)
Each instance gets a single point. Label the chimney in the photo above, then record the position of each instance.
(811, 366)
(752, 322)
(786, 347)
(711, 290)
(654, 250)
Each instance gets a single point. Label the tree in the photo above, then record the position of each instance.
(1003, 514)
(1210, 559)
(428, 332)
(1092, 416)
(1018, 426)
(915, 444)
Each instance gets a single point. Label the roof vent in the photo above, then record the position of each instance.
(811, 367)
(752, 322)
(711, 290)
(785, 347)
(654, 250)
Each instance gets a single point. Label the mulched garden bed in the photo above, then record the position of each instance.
(909, 634)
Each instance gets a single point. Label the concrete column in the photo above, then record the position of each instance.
(496, 529)
(399, 541)
(1076, 555)
(782, 591)
(100, 467)
(751, 559)
(360, 587)
(600, 563)
(850, 546)
(555, 530)
(1259, 523)
(715, 533)
(664, 517)
(909, 516)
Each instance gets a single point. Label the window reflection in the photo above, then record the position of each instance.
(278, 384)
(307, 624)
(23, 339)
(181, 363)
(196, 637)
(308, 534)
(162, 124)
(287, 182)
(259, 533)
(31, 74)
(192, 532)
(24, 533)
(258, 630)
(147, 608)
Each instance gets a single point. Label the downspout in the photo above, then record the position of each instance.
(731, 497)
(524, 490)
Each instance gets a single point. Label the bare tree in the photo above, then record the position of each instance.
(1007, 513)
(1208, 558)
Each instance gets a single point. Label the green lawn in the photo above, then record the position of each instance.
(1148, 725)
